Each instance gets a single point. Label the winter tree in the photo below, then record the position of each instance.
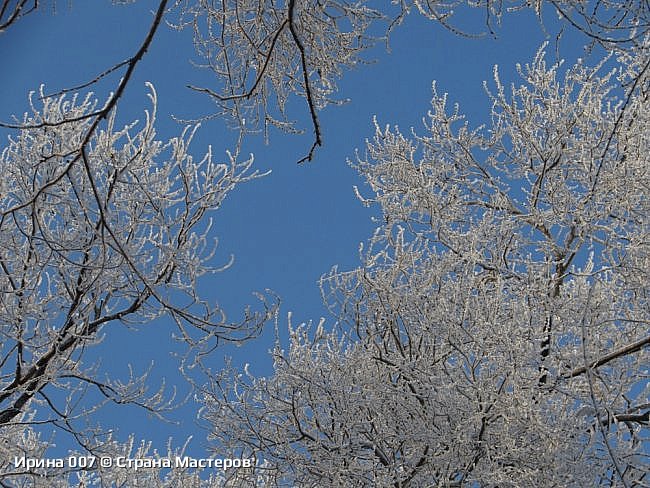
(496, 332)
(99, 225)
(263, 53)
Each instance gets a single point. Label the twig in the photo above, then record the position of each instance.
(91, 82)
(16, 13)
(305, 75)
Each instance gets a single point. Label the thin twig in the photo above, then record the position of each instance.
(15, 15)
(87, 84)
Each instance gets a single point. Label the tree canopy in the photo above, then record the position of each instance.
(495, 332)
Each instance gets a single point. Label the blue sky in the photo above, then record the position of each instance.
(286, 229)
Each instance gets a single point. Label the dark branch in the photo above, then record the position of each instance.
(629, 349)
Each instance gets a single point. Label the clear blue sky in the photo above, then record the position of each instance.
(289, 228)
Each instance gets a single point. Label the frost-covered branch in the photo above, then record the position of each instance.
(100, 229)
(495, 332)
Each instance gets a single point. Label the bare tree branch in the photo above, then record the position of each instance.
(619, 353)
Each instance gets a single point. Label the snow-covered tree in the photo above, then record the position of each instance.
(496, 332)
(99, 225)
(262, 53)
